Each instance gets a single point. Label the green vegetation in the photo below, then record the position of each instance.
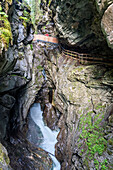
(35, 10)
(93, 136)
(5, 30)
(3, 157)
(99, 106)
(22, 77)
(26, 17)
(103, 164)
(31, 46)
(40, 67)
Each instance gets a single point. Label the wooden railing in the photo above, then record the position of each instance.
(81, 58)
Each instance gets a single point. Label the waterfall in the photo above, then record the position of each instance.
(49, 136)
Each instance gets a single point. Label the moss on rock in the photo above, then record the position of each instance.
(5, 30)
(91, 141)
(4, 159)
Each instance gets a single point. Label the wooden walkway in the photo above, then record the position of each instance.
(85, 59)
(81, 58)
(45, 38)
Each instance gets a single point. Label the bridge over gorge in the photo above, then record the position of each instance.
(81, 58)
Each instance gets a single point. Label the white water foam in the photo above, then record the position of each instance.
(50, 136)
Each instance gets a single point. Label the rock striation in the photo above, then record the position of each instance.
(20, 72)
(16, 57)
(83, 25)
(83, 97)
(77, 99)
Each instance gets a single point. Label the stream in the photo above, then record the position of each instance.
(42, 135)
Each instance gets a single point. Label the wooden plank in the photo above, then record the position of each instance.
(44, 38)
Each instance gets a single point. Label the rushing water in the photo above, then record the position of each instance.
(49, 136)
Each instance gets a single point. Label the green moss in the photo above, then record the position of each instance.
(24, 18)
(86, 163)
(3, 156)
(99, 106)
(110, 141)
(31, 46)
(93, 136)
(6, 159)
(96, 164)
(40, 76)
(5, 30)
(80, 111)
(40, 67)
(78, 69)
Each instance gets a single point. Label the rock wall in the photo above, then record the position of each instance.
(79, 98)
(84, 25)
(83, 97)
(20, 79)
(16, 62)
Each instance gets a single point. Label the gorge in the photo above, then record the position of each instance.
(75, 98)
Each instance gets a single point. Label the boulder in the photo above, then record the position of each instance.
(107, 26)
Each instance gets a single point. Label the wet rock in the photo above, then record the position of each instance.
(18, 88)
(7, 100)
(6, 104)
(4, 119)
(61, 145)
(11, 82)
(7, 61)
(24, 155)
(30, 36)
(21, 36)
(76, 30)
(34, 134)
(82, 94)
(24, 63)
(50, 114)
(17, 63)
